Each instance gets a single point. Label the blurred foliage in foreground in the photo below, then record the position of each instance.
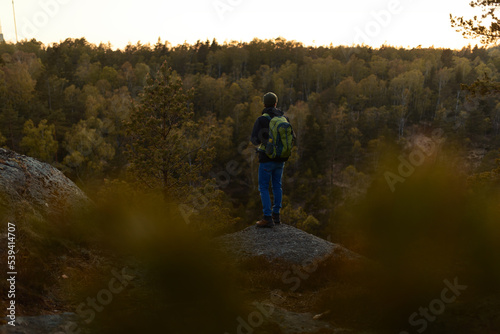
(439, 224)
(181, 285)
(130, 264)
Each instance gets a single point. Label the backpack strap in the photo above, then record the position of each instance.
(262, 147)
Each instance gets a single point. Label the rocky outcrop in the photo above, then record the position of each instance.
(286, 245)
(33, 191)
(35, 187)
(283, 242)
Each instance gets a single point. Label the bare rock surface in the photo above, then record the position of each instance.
(268, 318)
(29, 187)
(282, 242)
(32, 185)
(295, 323)
(42, 324)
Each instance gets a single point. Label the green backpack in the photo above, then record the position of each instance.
(280, 138)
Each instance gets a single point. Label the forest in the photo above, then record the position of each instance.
(397, 159)
(68, 104)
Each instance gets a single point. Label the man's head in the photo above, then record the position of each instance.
(270, 100)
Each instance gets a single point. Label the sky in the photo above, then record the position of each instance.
(406, 23)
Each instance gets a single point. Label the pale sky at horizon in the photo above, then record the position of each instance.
(406, 23)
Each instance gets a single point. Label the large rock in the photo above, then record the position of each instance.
(33, 191)
(36, 188)
(289, 246)
(283, 242)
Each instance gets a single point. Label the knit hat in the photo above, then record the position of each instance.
(270, 99)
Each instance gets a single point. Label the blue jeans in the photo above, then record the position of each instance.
(271, 172)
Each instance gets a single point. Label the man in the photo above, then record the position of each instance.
(270, 170)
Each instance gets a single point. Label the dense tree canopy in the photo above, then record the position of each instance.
(347, 105)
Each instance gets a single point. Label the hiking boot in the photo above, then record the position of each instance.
(276, 218)
(265, 222)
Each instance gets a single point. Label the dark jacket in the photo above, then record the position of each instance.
(260, 133)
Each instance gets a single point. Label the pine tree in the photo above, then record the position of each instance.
(164, 152)
(484, 27)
